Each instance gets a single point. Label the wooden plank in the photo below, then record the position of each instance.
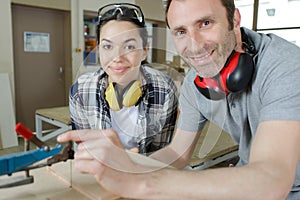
(85, 184)
(45, 186)
(7, 115)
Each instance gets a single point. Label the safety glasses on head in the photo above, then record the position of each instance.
(126, 10)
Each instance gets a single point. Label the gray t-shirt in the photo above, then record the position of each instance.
(273, 95)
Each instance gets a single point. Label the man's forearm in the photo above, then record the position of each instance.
(222, 183)
(169, 156)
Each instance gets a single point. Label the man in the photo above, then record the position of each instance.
(263, 116)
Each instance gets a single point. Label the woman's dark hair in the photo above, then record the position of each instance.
(127, 14)
(228, 4)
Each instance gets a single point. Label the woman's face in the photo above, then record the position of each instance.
(121, 51)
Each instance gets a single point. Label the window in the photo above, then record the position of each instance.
(246, 9)
(150, 41)
(272, 16)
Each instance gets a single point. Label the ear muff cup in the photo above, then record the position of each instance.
(235, 76)
(112, 97)
(210, 88)
(131, 95)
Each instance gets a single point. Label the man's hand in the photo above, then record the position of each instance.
(134, 150)
(101, 154)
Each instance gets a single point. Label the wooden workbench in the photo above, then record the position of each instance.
(61, 114)
(222, 149)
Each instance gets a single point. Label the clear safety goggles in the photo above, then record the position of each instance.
(125, 9)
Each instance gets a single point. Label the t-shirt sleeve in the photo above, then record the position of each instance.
(280, 91)
(190, 117)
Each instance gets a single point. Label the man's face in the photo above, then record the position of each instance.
(200, 30)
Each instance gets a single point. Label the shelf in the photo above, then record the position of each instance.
(90, 57)
(90, 40)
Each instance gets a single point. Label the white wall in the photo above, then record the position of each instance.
(55, 4)
(152, 9)
(6, 47)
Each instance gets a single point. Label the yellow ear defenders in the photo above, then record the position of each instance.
(131, 94)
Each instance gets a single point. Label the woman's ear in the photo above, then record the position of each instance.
(145, 53)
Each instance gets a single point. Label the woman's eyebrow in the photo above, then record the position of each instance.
(129, 40)
(106, 40)
(126, 41)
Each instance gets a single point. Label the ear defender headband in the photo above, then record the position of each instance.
(234, 77)
(130, 97)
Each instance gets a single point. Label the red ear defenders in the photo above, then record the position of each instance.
(234, 77)
(130, 97)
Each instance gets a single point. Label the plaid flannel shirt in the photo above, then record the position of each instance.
(157, 108)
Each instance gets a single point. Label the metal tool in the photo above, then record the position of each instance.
(24, 161)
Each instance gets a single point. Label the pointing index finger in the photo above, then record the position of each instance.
(69, 136)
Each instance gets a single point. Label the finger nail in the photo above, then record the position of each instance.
(58, 138)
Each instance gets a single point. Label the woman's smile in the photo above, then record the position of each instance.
(119, 69)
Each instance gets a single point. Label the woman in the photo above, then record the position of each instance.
(140, 103)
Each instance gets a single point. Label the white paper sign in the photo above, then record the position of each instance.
(36, 42)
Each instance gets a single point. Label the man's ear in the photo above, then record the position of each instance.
(236, 19)
(237, 30)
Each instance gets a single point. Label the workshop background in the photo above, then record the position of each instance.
(33, 79)
(46, 45)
